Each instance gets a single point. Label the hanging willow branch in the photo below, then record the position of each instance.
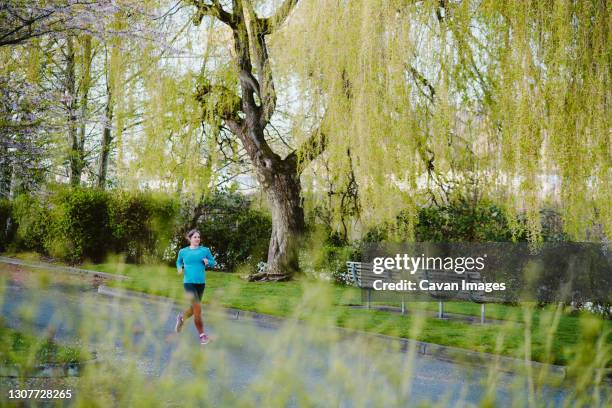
(516, 94)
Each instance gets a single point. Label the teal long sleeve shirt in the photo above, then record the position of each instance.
(193, 261)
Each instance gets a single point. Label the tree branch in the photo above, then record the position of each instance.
(420, 78)
(12, 37)
(213, 10)
(266, 90)
(270, 24)
(309, 150)
(441, 7)
(228, 103)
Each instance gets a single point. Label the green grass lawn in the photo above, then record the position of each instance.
(555, 335)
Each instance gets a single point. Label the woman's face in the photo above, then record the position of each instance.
(195, 239)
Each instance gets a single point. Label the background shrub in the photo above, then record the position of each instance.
(462, 221)
(75, 224)
(80, 226)
(142, 224)
(235, 232)
(326, 253)
(459, 221)
(31, 216)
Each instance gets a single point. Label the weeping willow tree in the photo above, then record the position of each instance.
(247, 111)
(410, 94)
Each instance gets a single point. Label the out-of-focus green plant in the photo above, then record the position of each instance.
(459, 221)
(25, 349)
(306, 361)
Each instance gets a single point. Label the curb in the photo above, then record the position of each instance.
(456, 317)
(70, 269)
(439, 352)
(47, 370)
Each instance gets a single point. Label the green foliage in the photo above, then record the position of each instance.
(461, 221)
(514, 94)
(235, 232)
(335, 259)
(77, 224)
(328, 260)
(141, 224)
(552, 226)
(32, 217)
(80, 226)
(90, 223)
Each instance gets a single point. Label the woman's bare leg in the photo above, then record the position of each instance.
(197, 316)
(187, 313)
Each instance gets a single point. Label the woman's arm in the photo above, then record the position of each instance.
(179, 262)
(208, 258)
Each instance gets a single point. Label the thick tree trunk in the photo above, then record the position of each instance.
(283, 191)
(70, 86)
(247, 118)
(85, 85)
(6, 172)
(280, 181)
(107, 138)
(107, 134)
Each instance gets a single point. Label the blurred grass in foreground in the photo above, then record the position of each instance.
(305, 361)
(27, 350)
(555, 332)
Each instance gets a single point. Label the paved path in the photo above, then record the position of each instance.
(329, 365)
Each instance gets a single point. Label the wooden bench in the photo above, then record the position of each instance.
(434, 276)
(363, 277)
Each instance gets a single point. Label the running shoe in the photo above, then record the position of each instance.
(179, 322)
(204, 339)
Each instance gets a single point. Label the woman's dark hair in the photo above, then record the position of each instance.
(191, 232)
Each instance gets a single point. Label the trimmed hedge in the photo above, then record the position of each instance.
(142, 225)
(32, 217)
(78, 224)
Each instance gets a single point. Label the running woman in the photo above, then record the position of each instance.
(194, 260)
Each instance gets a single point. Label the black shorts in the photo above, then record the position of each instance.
(197, 289)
